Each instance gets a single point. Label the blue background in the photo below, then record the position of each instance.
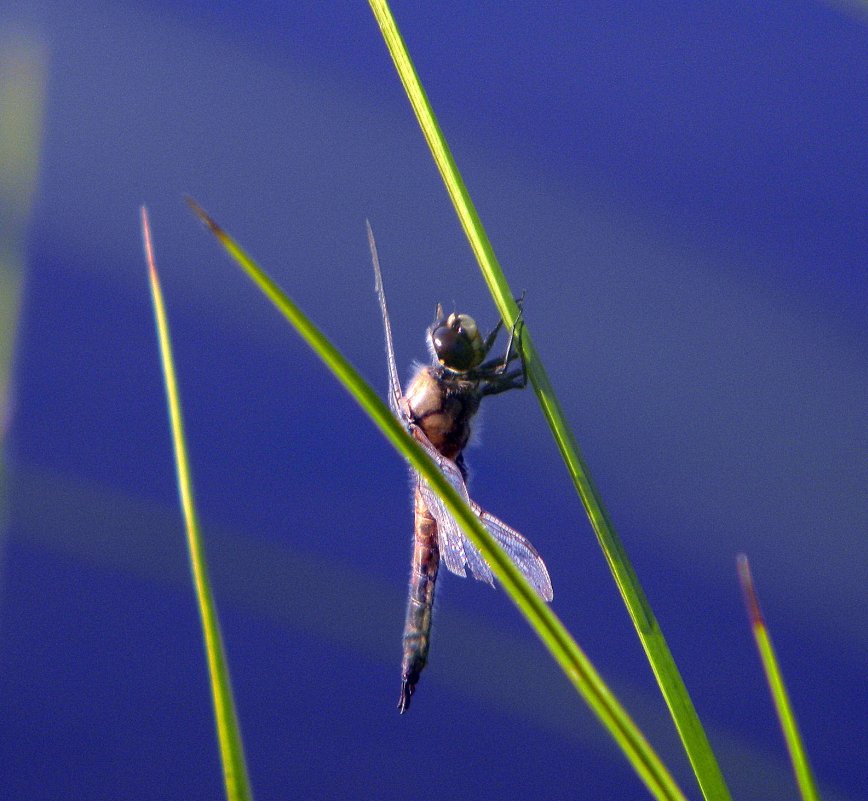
(680, 188)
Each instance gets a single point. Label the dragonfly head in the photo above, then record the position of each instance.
(456, 342)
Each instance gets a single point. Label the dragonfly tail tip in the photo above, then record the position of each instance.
(407, 689)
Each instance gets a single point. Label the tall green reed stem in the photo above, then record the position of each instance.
(775, 679)
(228, 732)
(663, 665)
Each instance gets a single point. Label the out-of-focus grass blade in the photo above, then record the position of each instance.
(228, 732)
(22, 89)
(22, 95)
(798, 756)
(659, 656)
(548, 627)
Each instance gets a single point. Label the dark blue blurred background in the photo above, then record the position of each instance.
(680, 187)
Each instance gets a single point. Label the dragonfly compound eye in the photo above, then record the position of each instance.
(457, 343)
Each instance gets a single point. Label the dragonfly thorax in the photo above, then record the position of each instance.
(443, 405)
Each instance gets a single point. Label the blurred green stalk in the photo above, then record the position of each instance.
(22, 92)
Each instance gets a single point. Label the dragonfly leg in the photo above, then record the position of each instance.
(494, 385)
(489, 340)
(495, 377)
(512, 352)
(515, 334)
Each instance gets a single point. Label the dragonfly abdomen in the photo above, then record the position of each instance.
(420, 604)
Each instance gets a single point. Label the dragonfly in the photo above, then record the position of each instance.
(437, 411)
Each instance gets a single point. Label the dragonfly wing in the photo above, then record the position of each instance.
(520, 551)
(456, 550)
(448, 533)
(450, 539)
(395, 392)
(478, 566)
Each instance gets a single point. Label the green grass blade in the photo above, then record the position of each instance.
(228, 732)
(780, 697)
(22, 99)
(669, 679)
(548, 627)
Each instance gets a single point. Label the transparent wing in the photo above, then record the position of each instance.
(395, 391)
(519, 549)
(457, 551)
